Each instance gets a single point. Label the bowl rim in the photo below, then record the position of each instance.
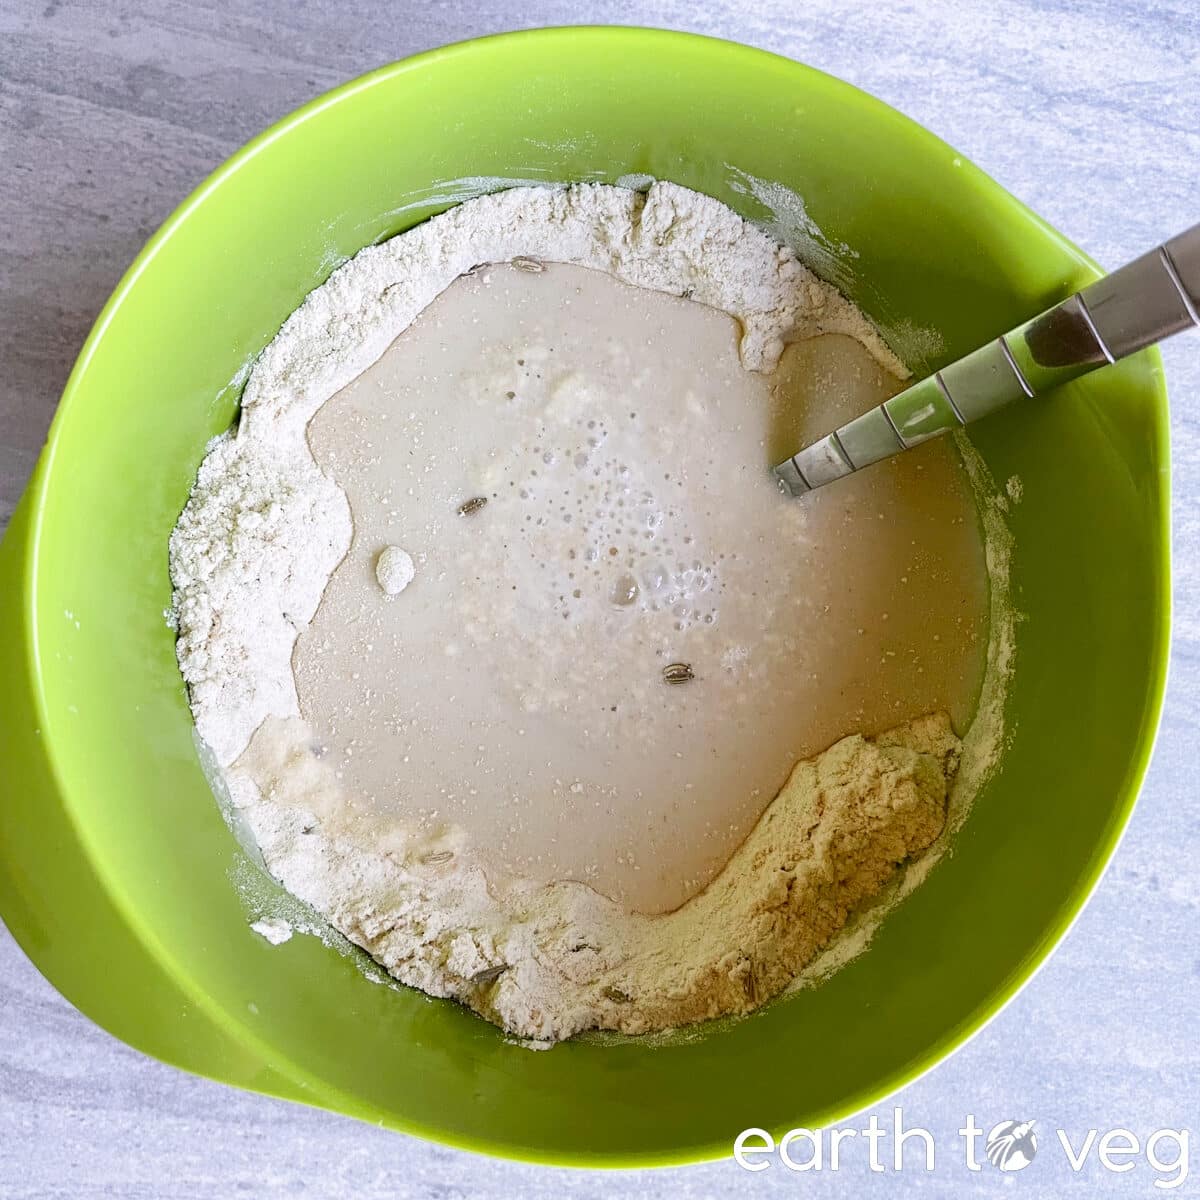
(27, 521)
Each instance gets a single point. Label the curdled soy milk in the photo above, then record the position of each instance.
(516, 688)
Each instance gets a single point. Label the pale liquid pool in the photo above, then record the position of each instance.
(515, 688)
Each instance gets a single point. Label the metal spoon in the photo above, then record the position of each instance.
(1142, 303)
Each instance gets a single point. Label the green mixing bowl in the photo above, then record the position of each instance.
(116, 862)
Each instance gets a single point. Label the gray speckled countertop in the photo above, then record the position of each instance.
(1086, 109)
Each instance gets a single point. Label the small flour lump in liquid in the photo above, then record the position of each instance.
(394, 569)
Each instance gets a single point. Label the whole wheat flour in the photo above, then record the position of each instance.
(263, 531)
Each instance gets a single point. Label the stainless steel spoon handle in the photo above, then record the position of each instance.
(1140, 304)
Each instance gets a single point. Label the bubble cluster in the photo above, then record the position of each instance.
(605, 528)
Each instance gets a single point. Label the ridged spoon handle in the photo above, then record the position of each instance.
(1143, 302)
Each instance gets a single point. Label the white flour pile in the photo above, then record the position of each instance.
(263, 531)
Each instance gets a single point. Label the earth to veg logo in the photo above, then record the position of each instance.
(1008, 1146)
(1011, 1146)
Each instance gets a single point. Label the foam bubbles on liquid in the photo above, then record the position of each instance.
(601, 531)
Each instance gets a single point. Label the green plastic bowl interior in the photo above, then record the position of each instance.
(117, 863)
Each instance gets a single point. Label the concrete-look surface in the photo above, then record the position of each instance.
(1086, 109)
